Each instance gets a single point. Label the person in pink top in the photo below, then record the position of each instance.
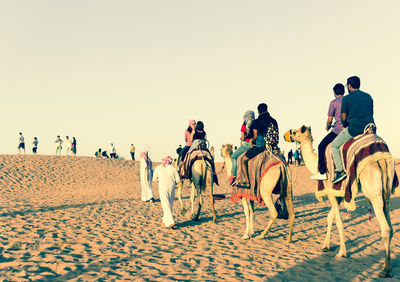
(188, 140)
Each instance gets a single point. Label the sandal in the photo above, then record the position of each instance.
(173, 226)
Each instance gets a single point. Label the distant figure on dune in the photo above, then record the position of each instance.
(58, 145)
(69, 144)
(21, 143)
(113, 151)
(146, 175)
(212, 150)
(179, 150)
(132, 152)
(105, 155)
(73, 146)
(290, 156)
(98, 153)
(167, 177)
(35, 145)
(296, 157)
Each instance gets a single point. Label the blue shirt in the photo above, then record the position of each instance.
(359, 108)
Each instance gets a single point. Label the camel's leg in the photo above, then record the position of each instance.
(246, 210)
(179, 195)
(335, 207)
(374, 185)
(326, 245)
(200, 196)
(267, 185)
(270, 204)
(290, 208)
(192, 198)
(251, 217)
(212, 202)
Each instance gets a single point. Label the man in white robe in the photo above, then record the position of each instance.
(167, 177)
(146, 175)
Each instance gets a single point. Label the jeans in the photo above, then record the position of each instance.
(342, 138)
(321, 151)
(243, 148)
(183, 154)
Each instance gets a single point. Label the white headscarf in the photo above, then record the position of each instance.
(248, 119)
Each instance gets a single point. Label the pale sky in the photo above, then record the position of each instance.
(137, 71)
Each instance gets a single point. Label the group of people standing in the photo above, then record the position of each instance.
(71, 145)
(296, 155)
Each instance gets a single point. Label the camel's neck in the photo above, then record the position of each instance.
(228, 165)
(309, 156)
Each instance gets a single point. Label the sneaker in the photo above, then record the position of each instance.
(245, 185)
(319, 176)
(232, 180)
(339, 177)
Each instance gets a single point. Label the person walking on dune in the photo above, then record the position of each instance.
(69, 144)
(113, 151)
(58, 145)
(73, 146)
(21, 143)
(132, 151)
(35, 145)
(146, 175)
(167, 177)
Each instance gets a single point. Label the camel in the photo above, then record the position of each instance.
(376, 180)
(268, 184)
(201, 179)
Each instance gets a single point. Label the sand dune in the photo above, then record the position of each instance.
(80, 218)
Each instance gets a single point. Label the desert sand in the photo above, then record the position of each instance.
(81, 218)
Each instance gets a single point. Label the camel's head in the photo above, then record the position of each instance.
(299, 135)
(226, 150)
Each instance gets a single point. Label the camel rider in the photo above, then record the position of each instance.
(199, 134)
(265, 132)
(189, 132)
(246, 138)
(333, 112)
(356, 113)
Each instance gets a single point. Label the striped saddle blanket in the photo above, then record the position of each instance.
(357, 153)
(185, 169)
(258, 167)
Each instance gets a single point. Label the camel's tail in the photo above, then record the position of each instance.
(199, 177)
(393, 184)
(286, 187)
(388, 175)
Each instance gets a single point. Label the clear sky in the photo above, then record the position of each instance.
(137, 71)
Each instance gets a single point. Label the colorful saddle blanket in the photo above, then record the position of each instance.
(258, 167)
(185, 170)
(357, 153)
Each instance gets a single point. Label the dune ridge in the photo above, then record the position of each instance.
(81, 218)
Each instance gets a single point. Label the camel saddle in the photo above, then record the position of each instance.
(258, 167)
(185, 169)
(357, 154)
